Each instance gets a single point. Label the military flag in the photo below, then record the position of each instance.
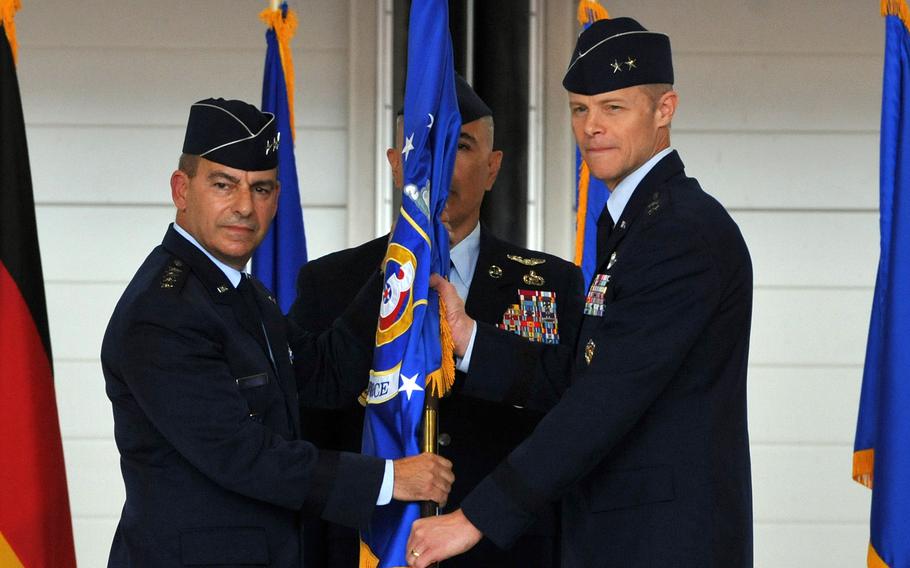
(283, 251)
(590, 193)
(407, 359)
(35, 525)
(881, 459)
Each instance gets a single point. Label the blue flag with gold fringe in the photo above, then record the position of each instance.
(881, 451)
(407, 359)
(590, 193)
(283, 251)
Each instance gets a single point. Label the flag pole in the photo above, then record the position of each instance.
(429, 436)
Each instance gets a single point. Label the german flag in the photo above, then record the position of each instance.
(35, 525)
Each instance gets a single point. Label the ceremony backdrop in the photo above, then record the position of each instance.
(779, 118)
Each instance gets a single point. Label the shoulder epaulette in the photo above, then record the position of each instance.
(174, 275)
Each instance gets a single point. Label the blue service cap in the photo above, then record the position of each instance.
(615, 54)
(470, 105)
(232, 133)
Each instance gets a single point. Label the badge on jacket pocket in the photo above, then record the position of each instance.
(594, 302)
(533, 317)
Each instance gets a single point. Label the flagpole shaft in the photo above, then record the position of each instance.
(429, 435)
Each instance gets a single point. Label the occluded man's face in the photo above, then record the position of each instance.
(475, 171)
(620, 130)
(227, 210)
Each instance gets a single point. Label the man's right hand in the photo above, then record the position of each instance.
(460, 323)
(425, 477)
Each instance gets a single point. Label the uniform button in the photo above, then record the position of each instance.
(444, 439)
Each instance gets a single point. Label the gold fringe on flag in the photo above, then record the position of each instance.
(897, 8)
(367, 558)
(863, 461)
(873, 560)
(440, 382)
(285, 25)
(8, 9)
(589, 11)
(581, 213)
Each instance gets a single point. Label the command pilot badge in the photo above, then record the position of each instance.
(534, 317)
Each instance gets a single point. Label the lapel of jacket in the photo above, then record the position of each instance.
(274, 323)
(222, 292)
(643, 195)
(486, 291)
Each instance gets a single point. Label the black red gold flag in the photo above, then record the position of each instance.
(35, 523)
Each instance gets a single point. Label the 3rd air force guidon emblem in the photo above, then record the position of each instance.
(396, 313)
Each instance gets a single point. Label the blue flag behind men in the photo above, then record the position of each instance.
(283, 251)
(590, 193)
(883, 427)
(407, 356)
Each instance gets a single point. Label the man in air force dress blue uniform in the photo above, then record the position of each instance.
(647, 448)
(197, 360)
(494, 276)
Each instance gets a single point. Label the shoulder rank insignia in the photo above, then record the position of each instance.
(171, 276)
(654, 205)
(526, 261)
(533, 279)
(494, 271)
(533, 317)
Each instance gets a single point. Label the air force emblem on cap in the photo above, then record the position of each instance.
(272, 145)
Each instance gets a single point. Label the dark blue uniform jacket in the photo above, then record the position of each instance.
(645, 442)
(206, 418)
(477, 433)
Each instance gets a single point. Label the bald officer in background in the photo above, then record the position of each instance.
(197, 360)
(648, 447)
(493, 275)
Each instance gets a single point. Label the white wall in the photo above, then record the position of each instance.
(778, 119)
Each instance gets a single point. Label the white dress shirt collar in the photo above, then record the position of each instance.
(621, 194)
(464, 261)
(232, 273)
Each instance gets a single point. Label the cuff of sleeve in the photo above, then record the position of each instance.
(496, 514)
(388, 484)
(462, 363)
(354, 487)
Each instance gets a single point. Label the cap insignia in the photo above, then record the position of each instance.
(617, 66)
(631, 63)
